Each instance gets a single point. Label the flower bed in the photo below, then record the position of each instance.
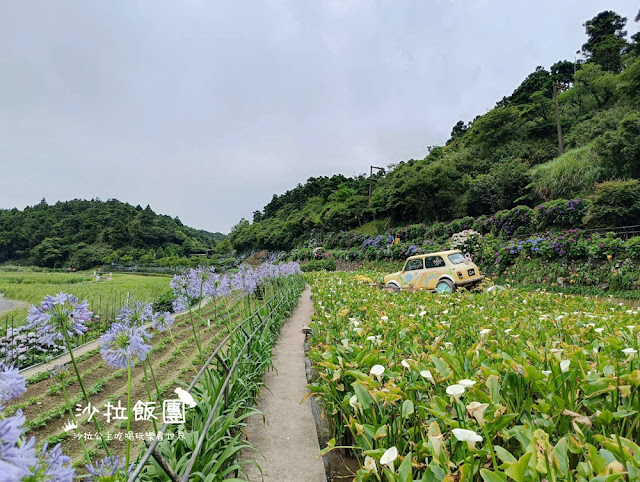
(509, 384)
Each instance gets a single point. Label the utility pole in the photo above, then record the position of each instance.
(371, 181)
(556, 87)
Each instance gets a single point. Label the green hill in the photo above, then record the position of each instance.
(509, 156)
(84, 234)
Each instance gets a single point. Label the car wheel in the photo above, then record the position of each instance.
(445, 286)
(393, 288)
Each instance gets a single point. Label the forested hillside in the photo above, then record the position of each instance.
(83, 234)
(507, 157)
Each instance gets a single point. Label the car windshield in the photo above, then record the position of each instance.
(456, 258)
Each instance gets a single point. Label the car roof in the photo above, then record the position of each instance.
(437, 253)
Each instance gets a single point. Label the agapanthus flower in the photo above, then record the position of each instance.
(162, 321)
(138, 314)
(53, 466)
(17, 456)
(108, 467)
(180, 304)
(123, 345)
(58, 315)
(12, 384)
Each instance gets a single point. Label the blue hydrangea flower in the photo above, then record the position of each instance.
(108, 467)
(57, 315)
(12, 384)
(123, 345)
(162, 321)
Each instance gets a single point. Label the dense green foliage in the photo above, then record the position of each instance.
(504, 158)
(83, 234)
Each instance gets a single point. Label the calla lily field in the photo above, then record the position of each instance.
(494, 386)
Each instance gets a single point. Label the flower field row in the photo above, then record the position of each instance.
(127, 345)
(506, 385)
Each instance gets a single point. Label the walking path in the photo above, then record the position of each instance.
(288, 440)
(8, 305)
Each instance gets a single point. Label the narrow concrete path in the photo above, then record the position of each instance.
(288, 440)
(8, 305)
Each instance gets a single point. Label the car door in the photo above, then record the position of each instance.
(434, 267)
(412, 273)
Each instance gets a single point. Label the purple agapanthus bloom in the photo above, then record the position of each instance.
(138, 314)
(53, 466)
(180, 304)
(16, 460)
(123, 345)
(108, 467)
(58, 315)
(12, 384)
(162, 321)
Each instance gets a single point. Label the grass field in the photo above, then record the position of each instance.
(32, 287)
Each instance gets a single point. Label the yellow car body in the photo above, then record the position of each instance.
(443, 271)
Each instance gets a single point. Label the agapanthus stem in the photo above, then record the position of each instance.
(181, 352)
(146, 381)
(126, 465)
(73, 417)
(195, 333)
(84, 392)
(153, 375)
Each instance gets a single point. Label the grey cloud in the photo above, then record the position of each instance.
(204, 109)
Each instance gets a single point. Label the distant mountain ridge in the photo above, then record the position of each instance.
(82, 234)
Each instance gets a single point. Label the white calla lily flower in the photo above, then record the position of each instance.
(455, 390)
(468, 436)
(427, 374)
(466, 383)
(389, 457)
(376, 370)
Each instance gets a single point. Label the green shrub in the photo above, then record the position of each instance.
(319, 265)
(619, 150)
(570, 175)
(586, 131)
(164, 302)
(615, 203)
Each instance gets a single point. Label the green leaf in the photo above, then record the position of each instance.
(404, 471)
(560, 458)
(493, 384)
(441, 366)
(517, 470)
(490, 476)
(433, 473)
(504, 454)
(407, 408)
(363, 395)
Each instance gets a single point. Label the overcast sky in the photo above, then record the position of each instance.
(205, 109)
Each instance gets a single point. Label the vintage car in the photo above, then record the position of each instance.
(443, 272)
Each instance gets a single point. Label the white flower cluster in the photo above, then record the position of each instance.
(459, 240)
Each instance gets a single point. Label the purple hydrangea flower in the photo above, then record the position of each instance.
(12, 384)
(108, 467)
(162, 321)
(123, 345)
(53, 466)
(58, 315)
(16, 460)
